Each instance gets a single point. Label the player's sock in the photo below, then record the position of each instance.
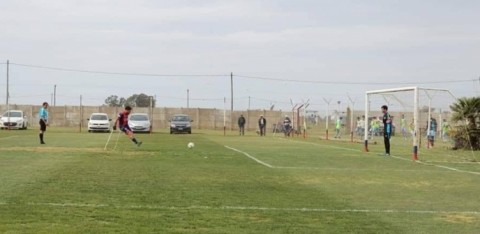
(41, 138)
(134, 140)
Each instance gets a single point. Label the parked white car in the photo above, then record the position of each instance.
(139, 122)
(99, 122)
(14, 119)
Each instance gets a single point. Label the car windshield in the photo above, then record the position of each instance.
(13, 114)
(99, 117)
(181, 118)
(139, 118)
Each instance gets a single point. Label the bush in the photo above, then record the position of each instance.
(465, 138)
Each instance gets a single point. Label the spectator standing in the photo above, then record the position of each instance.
(262, 124)
(241, 125)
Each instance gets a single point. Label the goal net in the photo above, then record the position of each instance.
(418, 114)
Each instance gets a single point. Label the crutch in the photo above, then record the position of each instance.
(108, 141)
(116, 142)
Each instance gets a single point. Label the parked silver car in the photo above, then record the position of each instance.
(139, 122)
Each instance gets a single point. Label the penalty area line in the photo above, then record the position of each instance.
(250, 156)
(439, 166)
(246, 208)
(449, 168)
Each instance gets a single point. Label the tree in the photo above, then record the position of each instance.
(112, 101)
(136, 100)
(467, 110)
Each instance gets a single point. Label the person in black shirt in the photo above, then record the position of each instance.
(262, 124)
(387, 129)
(241, 125)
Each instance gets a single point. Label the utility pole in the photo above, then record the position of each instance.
(188, 98)
(248, 102)
(8, 83)
(152, 102)
(231, 101)
(81, 115)
(224, 115)
(55, 95)
(327, 116)
(8, 93)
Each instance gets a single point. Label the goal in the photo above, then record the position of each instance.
(417, 107)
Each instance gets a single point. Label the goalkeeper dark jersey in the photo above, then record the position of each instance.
(387, 123)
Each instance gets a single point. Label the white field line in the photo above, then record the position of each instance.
(250, 156)
(451, 162)
(321, 168)
(242, 208)
(449, 168)
(439, 166)
(354, 169)
(8, 137)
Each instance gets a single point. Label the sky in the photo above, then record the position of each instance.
(196, 45)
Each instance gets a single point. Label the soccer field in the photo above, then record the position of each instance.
(231, 184)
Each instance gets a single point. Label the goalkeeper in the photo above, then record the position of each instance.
(387, 129)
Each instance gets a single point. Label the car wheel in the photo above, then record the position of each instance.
(189, 132)
(89, 130)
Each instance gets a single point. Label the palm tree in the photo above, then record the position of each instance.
(467, 109)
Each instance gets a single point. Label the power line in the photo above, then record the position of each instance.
(116, 73)
(351, 83)
(240, 76)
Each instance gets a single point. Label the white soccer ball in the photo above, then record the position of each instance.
(190, 145)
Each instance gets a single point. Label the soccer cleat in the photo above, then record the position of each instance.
(42, 142)
(139, 144)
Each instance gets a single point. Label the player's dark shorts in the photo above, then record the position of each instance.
(126, 129)
(43, 125)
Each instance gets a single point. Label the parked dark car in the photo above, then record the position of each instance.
(181, 124)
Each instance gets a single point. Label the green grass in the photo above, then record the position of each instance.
(71, 185)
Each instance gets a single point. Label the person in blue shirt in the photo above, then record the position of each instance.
(43, 115)
(387, 129)
(432, 131)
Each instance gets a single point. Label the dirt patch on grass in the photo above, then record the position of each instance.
(416, 184)
(74, 150)
(460, 218)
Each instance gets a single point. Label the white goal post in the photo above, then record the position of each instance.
(416, 92)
